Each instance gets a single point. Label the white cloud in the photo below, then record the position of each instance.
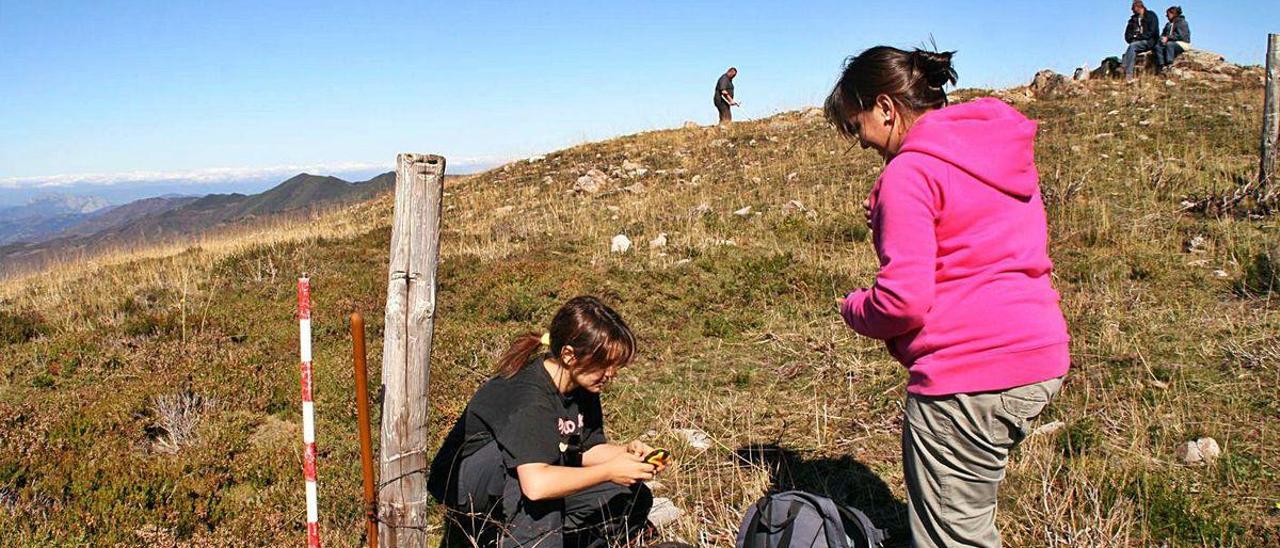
(214, 175)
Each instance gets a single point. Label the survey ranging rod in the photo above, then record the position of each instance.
(308, 410)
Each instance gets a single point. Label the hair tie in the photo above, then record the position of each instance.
(545, 340)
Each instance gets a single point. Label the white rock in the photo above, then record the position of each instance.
(1199, 452)
(548, 180)
(701, 209)
(664, 512)
(791, 177)
(592, 182)
(536, 159)
(1048, 428)
(696, 439)
(682, 262)
(1113, 113)
(628, 165)
(660, 241)
(1221, 273)
(621, 244)
(690, 124)
(794, 206)
(744, 212)
(637, 188)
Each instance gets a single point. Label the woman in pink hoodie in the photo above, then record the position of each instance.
(963, 296)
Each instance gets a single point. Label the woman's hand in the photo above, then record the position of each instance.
(866, 211)
(642, 450)
(626, 469)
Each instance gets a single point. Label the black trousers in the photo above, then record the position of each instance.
(722, 108)
(490, 510)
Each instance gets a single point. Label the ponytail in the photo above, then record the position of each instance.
(593, 332)
(914, 80)
(518, 354)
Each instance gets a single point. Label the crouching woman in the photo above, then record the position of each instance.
(528, 463)
(963, 297)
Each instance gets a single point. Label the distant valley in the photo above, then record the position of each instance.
(58, 226)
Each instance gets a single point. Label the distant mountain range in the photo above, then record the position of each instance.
(58, 226)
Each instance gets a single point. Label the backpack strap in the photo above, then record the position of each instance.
(792, 511)
(875, 536)
(829, 511)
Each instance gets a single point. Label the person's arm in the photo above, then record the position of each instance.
(1149, 34)
(903, 291)
(601, 453)
(540, 481)
(728, 98)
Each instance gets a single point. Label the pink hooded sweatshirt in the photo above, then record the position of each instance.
(963, 296)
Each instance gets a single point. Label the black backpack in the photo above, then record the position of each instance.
(797, 518)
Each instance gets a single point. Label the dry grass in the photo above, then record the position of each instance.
(740, 338)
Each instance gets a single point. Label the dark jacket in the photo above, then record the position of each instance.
(1144, 29)
(1176, 30)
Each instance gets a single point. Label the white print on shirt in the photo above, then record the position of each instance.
(568, 427)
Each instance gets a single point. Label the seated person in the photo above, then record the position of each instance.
(1140, 33)
(527, 463)
(1175, 39)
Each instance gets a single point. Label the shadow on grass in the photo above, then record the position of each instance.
(843, 479)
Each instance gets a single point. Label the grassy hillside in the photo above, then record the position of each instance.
(1174, 328)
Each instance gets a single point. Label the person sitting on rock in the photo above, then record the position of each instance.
(528, 463)
(1140, 34)
(1175, 39)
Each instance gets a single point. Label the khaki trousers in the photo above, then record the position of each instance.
(954, 451)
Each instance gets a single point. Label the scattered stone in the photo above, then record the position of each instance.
(1220, 274)
(791, 177)
(696, 180)
(1048, 428)
(536, 159)
(683, 262)
(612, 208)
(660, 241)
(1194, 244)
(664, 512)
(1103, 136)
(813, 113)
(548, 180)
(719, 142)
(727, 243)
(1200, 452)
(690, 124)
(794, 206)
(504, 210)
(631, 167)
(700, 210)
(1112, 112)
(637, 188)
(621, 244)
(696, 439)
(1143, 137)
(744, 212)
(1048, 84)
(594, 181)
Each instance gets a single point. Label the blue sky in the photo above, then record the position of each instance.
(169, 90)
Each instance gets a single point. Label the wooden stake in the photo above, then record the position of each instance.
(406, 354)
(1270, 113)
(362, 418)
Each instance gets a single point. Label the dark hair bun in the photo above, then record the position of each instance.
(935, 66)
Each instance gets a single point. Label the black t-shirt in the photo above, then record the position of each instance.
(725, 83)
(531, 421)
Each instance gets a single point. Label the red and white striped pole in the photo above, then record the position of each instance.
(308, 411)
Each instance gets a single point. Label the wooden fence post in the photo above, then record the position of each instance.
(1270, 114)
(406, 354)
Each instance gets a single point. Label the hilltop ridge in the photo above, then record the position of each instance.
(742, 237)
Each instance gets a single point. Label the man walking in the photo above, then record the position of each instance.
(1140, 33)
(724, 95)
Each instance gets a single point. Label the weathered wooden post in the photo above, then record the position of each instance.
(411, 305)
(1270, 114)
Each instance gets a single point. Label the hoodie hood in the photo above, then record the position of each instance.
(986, 138)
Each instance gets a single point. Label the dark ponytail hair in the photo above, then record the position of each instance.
(912, 79)
(595, 334)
